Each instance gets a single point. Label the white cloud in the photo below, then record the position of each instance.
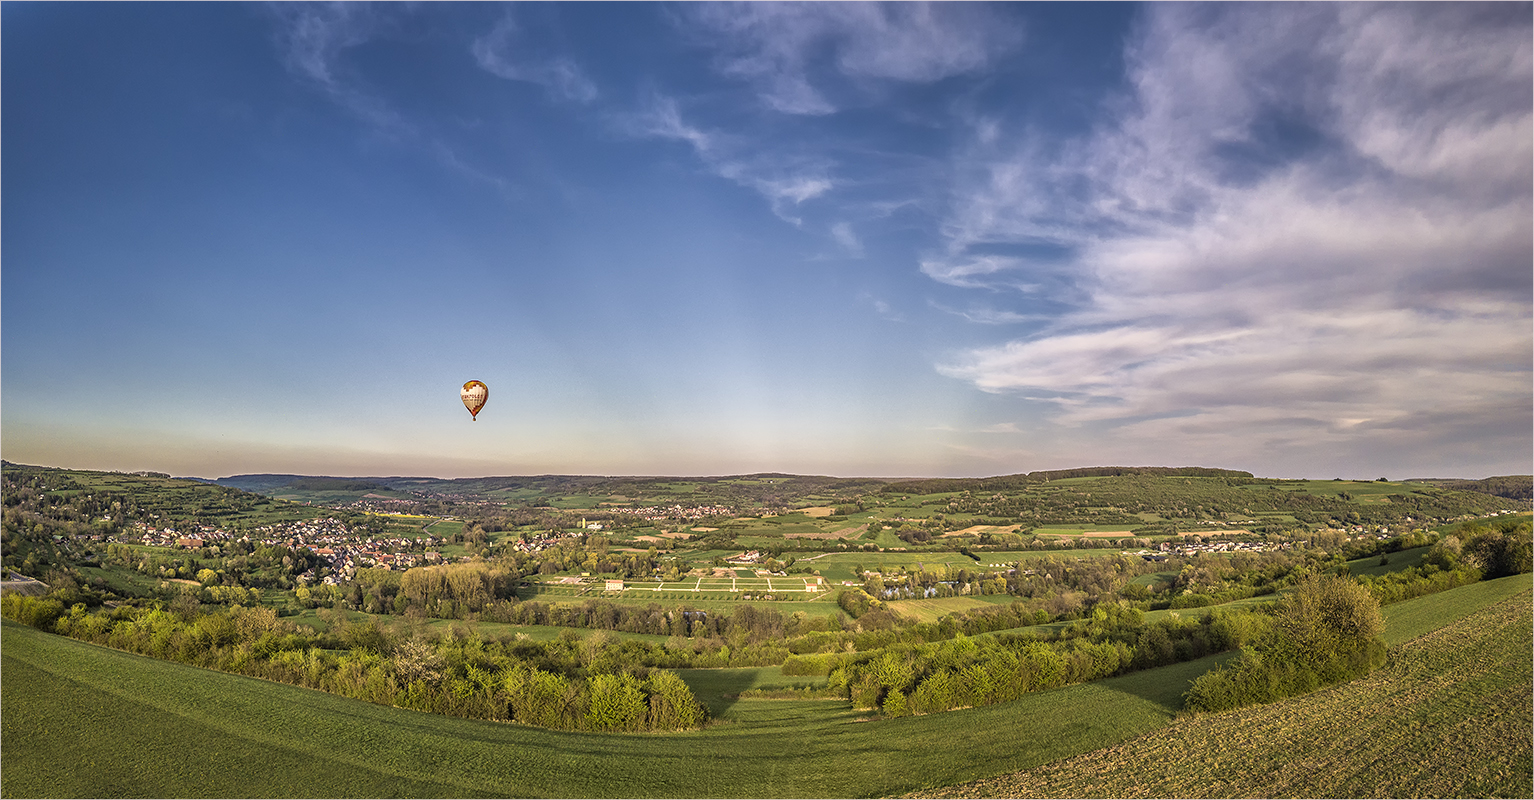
(882, 308)
(991, 316)
(313, 37)
(777, 46)
(1309, 226)
(845, 236)
(784, 182)
(496, 53)
(974, 272)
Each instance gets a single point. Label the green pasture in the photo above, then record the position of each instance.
(124, 581)
(1409, 619)
(443, 528)
(86, 721)
(935, 608)
(1153, 578)
(179, 731)
(1371, 566)
(838, 567)
(718, 690)
(700, 557)
(1077, 530)
(1244, 603)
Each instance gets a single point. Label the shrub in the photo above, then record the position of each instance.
(36, 612)
(1326, 631)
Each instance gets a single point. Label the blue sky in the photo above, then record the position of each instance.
(841, 238)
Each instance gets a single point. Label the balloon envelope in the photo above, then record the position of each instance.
(474, 395)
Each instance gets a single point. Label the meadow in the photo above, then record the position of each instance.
(1447, 717)
(177, 731)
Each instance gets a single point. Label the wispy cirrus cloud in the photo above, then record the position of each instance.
(1306, 224)
(845, 236)
(313, 37)
(313, 41)
(785, 182)
(790, 51)
(983, 315)
(503, 52)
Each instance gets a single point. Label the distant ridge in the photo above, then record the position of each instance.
(1020, 480)
(1105, 472)
(1513, 487)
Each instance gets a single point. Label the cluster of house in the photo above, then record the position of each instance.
(346, 557)
(1365, 531)
(745, 559)
(1214, 546)
(540, 541)
(328, 538)
(190, 536)
(662, 513)
(374, 504)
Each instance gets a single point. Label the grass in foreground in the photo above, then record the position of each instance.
(85, 721)
(1450, 716)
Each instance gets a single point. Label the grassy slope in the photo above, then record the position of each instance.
(83, 721)
(80, 720)
(1448, 717)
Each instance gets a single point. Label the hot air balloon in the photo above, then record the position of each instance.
(474, 395)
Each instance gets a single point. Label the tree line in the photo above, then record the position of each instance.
(566, 684)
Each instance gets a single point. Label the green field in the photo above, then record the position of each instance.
(1449, 716)
(84, 721)
(935, 608)
(1413, 618)
(838, 567)
(1371, 566)
(443, 528)
(79, 720)
(717, 689)
(1077, 530)
(135, 726)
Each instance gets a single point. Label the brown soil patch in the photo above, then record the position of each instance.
(705, 530)
(817, 511)
(977, 529)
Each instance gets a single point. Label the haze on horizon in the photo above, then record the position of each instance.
(696, 239)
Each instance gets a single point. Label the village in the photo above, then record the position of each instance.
(675, 512)
(343, 550)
